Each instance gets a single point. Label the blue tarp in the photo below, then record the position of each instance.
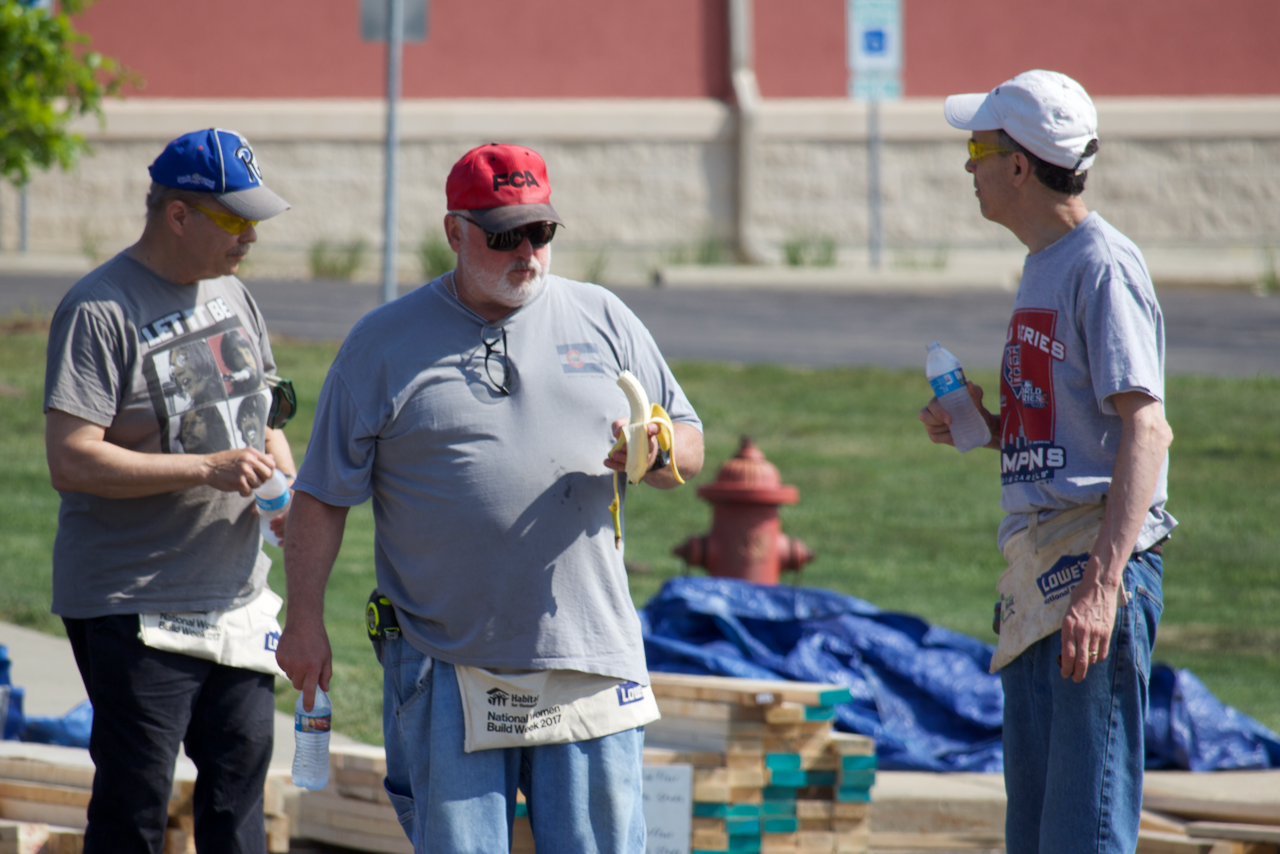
(922, 691)
(11, 725)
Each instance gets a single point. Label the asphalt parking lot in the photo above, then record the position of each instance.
(1214, 332)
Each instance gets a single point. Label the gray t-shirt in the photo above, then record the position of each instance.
(1086, 325)
(494, 541)
(166, 369)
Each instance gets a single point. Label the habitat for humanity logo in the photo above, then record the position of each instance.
(1061, 577)
(272, 641)
(498, 697)
(629, 692)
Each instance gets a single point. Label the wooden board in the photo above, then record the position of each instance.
(55, 814)
(64, 840)
(851, 744)
(358, 757)
(45, 793)
(277, 833)
(22, 837)
(949, 842)
(1242, 797)
(1241, 832)
(1151, 820)
(1158, 842)
(676, 707)
(354, 839)
(734, 777)
(324, 809)
(753, 692)
(522, 837)
(696, 758)
(34, 771)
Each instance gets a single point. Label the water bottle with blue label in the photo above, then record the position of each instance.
(273, 497)
(311, 742)
(969, 428)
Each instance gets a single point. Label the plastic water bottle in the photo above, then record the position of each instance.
(311, 742)
(273, 497)
(969, 429)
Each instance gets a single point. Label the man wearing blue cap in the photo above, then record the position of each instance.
(1083, 448)
(158, 530)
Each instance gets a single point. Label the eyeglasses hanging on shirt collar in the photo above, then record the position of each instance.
(495, 348)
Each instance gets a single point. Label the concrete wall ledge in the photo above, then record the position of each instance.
(593, 120)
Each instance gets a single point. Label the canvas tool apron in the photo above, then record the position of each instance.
(243, 637)
(547, 707)
(1046, 562)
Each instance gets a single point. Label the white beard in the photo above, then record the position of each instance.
(497, 288)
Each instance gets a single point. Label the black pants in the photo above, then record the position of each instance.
(146, 702)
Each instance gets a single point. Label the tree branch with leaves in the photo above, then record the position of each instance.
(48, 78)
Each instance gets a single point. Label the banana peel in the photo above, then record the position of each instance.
(635, 435)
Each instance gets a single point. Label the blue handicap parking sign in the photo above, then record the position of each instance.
(873, 41)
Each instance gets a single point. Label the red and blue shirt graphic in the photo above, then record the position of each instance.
(1027, 417)
(583, 358)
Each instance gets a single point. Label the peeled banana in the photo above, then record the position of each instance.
(635, 435)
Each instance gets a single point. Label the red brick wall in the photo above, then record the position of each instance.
(1113, 47)
(678, 48)
(476, 48)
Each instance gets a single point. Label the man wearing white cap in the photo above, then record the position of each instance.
(1083, 465)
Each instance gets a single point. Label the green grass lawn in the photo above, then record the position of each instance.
(893, 519)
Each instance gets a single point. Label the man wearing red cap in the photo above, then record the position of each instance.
(478, 413)
(1083, 467)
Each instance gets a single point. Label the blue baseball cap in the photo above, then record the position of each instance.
(219, 162)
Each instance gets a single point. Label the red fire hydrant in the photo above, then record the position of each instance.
(746, 539)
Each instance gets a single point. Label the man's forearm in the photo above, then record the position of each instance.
(687, 456)
(81, 460)
(277, 445)
(310, 549)
(1144, 438)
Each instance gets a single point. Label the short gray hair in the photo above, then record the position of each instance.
(158, 196)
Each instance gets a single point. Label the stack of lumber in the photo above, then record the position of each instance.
(770, 773)
(1224, 812)
(45, 791)
(354, 810)
(922, 811)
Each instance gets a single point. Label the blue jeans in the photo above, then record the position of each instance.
(1073, 752)
(582, 797)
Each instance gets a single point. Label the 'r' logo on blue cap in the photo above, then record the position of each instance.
(245, 155)
(220, 162)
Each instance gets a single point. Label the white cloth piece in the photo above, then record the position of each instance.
(547, 707)
(243, 637)
(1046, 562)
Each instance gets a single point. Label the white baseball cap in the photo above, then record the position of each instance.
(1047, 113)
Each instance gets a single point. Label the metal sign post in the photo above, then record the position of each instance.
(875, 65)
(395, 51)
(397, 21)
(24, 221)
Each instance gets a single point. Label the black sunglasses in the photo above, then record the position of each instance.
(495, 344)
(539, 234)
(284, 402)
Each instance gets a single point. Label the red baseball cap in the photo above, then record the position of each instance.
(503, 187)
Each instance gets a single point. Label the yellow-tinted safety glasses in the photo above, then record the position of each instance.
(228, 222)
(978, 150)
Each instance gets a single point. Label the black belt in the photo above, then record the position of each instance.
(1156, 548)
